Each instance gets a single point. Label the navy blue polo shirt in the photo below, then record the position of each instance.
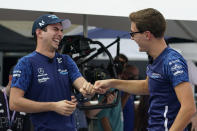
(46, 80)
(167, 71)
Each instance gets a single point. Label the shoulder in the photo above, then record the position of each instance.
(173, 57)
(27, 58)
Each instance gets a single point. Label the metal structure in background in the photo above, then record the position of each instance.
(80, 45)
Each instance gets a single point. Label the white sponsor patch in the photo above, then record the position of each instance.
(155, 75)
(59, 60)
(178, 72)
(16, 73)
(176, 67)
(2, 111)
(44, 79)
(175, 61)
(23, 113)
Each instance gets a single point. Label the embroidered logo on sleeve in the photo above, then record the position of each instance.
(176, 67)
(16, 73)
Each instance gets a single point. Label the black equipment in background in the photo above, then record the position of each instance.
(80, 45)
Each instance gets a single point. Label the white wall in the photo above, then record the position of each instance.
(127, 47)
(188, 50)
(186, 10)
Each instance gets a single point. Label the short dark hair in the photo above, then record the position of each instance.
(35, 36)
(149, 20)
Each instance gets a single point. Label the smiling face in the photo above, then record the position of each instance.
(51, 36)
(139, 37)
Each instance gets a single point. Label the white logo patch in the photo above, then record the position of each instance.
(43, 75)
(16, 73)
(177, 73)
(59, 60)
(2, 111)
(155, 75)
(176, 67)
(172, 62)
(41, 23)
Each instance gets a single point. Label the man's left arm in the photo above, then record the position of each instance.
(187, 109)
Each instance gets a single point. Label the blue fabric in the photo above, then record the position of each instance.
(128, 114)
(167, 71)
(46, 81)
(80, 119)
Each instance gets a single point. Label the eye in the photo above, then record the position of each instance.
(55, 28)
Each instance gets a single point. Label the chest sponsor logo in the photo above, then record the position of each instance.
(22, 113)
(63, 72)
(155, 75)
(1, 111)
(42, 76)
(59, 60)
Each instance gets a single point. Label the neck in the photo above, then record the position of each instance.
(49, 54)
(45, 50)
(157, 48)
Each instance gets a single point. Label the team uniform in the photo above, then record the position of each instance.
(128, 114)
(167, 71)
(47, 80)
(11, 120)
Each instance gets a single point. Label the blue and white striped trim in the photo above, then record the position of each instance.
(166, 119)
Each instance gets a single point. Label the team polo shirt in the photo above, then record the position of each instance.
(167, 71)
(46, 80)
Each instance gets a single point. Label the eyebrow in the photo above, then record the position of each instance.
(57, 28)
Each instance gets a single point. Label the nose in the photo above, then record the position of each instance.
(60, 33)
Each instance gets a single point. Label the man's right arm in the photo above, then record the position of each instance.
(139, 87)
(19, 103)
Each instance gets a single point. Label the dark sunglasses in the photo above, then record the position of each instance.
(133, 33)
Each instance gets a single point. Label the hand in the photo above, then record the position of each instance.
(101, 86)
(87, 90)
(65, 107)
(194, 123)
(109, 99)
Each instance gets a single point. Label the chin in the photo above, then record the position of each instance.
(141, 50)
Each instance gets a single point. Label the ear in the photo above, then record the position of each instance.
(38, 32)
(148, 35)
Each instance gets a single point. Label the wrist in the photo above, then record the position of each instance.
(51, 106)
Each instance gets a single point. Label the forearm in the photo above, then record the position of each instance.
(25, 105)
(106, 124)
(92, 113)
(187, 110)
(78, 83)
(18, 102)
(182, 120)
(131, 86)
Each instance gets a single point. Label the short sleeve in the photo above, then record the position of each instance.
(22, 74)
(176, 70)
(73, 70)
